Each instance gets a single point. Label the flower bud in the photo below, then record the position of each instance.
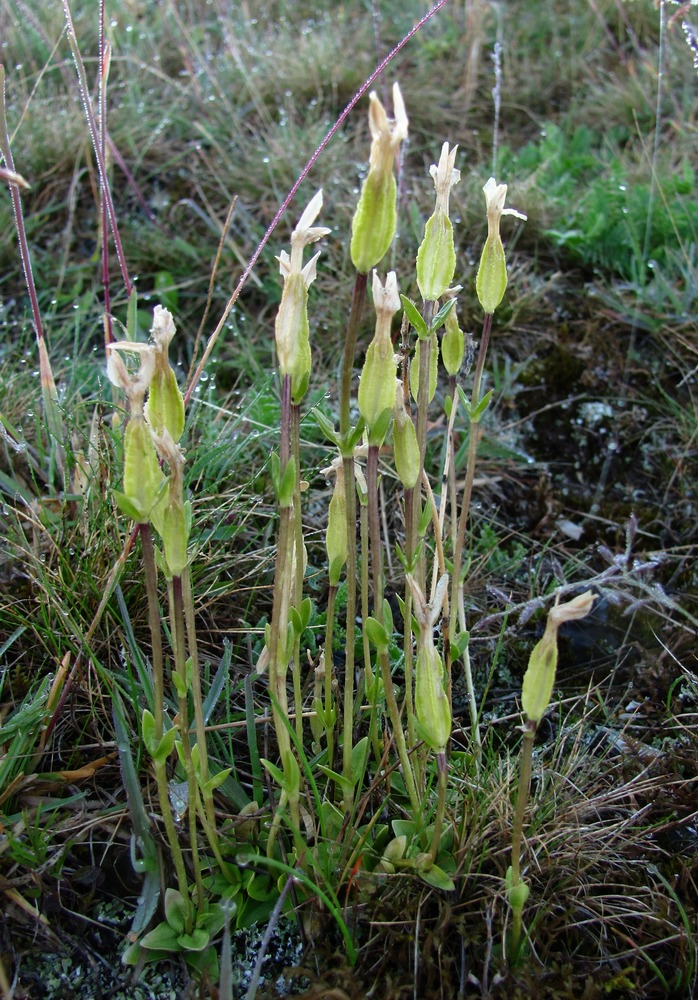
(436, 258)
(491, 281)
(373, 225)
(165, 407)
(405, 444)
(452, 344)
(336, 535)
(540, 676)
(395, 851)
(376, 394)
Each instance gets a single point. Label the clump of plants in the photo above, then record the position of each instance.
(358, 783)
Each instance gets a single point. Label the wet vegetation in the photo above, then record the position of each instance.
(145, 872)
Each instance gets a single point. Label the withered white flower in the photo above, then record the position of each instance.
(135, 385)
(445, 176)
(495, 196)
(386, 135)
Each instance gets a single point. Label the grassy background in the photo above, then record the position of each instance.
(212, 102)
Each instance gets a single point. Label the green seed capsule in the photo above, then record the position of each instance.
(143, 477)
(491, 281)
(430, 701)
(452, 344)
(336, 536)
(540, 676)
(405, 444)
(436, 257)
(373, 226)
(165, 407)
(175, 537)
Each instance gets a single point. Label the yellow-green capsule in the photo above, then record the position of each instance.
(373, 225)
(452, 344)
(165, 407)
(376, 394)
(174, 530)
(539, 678)
(336, 535)
(405, 444)
(292, 328)
(143, 477)
(491, 281)
(430, 701)
(374, 222)
(436, 257)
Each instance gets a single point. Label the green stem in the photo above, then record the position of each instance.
(457, 605)
(279, 654)
(151, 586)
(408, 647)
(298, 581)
(151, 589)
(209, 810)
(369, 677)
(521, 801)
(514, 945)
(357, 304)
(329, 673)
(348, 708)
(383, 654)
(374, 529)
(188, 605)
(424, 348)
(456, 584)
(442, 771)
(180, 658)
